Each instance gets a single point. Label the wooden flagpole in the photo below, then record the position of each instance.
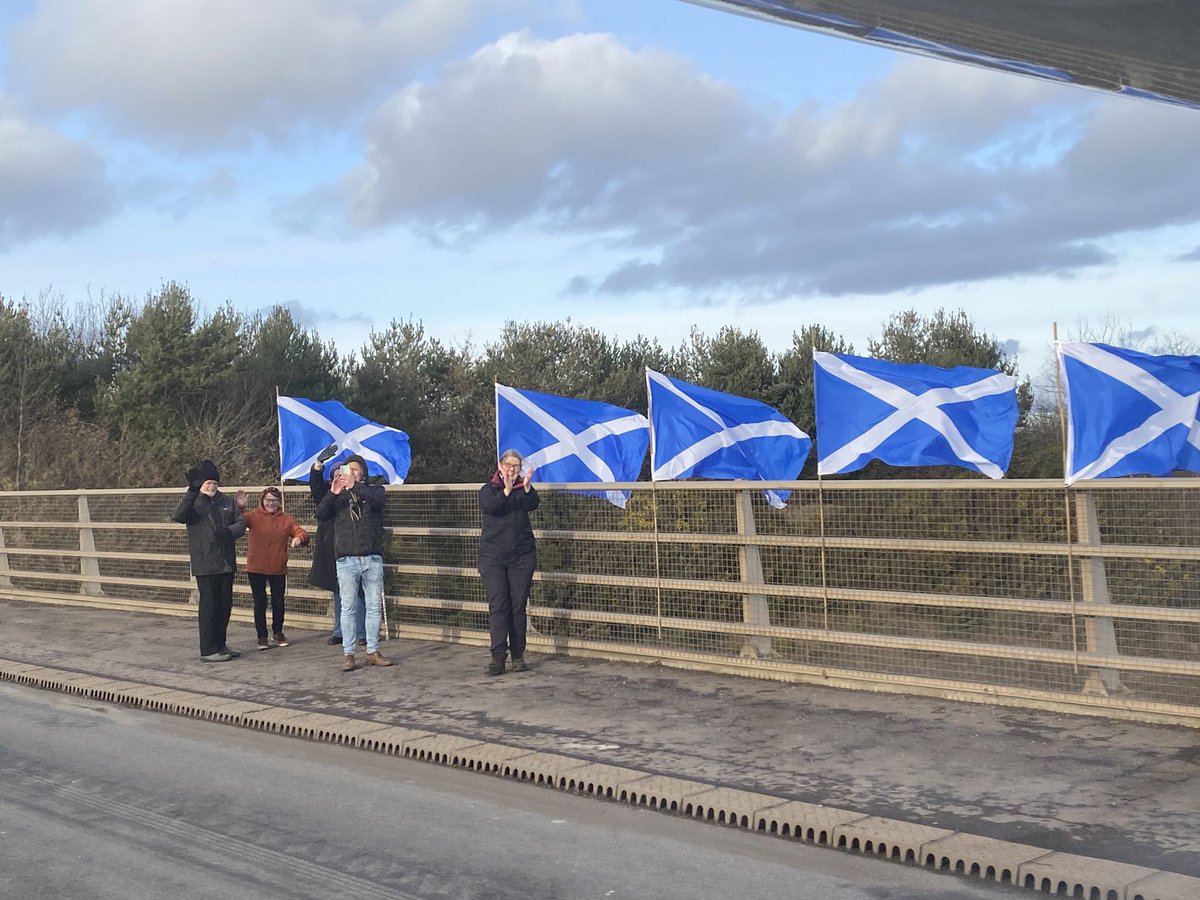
(1062, 434)
(820, 492)
(279, 431)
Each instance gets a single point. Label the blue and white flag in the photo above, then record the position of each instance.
(572, 440)
(306, 427)
(1129, 413)
(911, 415)
(707, 434)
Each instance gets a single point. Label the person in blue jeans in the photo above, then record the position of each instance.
(360, 619)
(356, 510)
(323, 573)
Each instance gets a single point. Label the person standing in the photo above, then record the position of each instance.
(356, 510)
(271, 533)
(323, 573)
(507, 558)
(213, 522)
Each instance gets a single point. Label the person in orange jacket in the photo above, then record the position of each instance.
(271, 533)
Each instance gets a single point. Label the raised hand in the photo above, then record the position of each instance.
(327, 454)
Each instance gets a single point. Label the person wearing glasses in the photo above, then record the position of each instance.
(272, 533)
(356, 510)
(507, 558)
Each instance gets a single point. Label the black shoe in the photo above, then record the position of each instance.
(233, 654)
(496, 666)
(518, 664)
(334, 639)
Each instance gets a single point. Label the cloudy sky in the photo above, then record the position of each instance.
(643, 166)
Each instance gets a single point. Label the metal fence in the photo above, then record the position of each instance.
(1017, 592)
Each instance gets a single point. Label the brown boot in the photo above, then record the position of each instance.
(348, 663)
(518, 664)
(377, 659)
(495, 667)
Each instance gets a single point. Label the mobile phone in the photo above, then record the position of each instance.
(344, 470)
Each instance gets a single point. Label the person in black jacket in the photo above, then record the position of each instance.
(507, 558)
(355, 509)
(214, 521)
(323, 573)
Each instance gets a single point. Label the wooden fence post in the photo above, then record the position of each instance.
(754, 606)
(5, 580)
(89, 563)
(1093, 584)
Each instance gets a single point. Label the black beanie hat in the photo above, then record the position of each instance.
(207, 470)
(355, 458)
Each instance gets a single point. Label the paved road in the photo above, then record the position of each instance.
(1086, 785)
(99, 802)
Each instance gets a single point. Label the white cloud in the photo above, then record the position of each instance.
(526, 128)
(49, 184)
(936, 174)
(199, 73)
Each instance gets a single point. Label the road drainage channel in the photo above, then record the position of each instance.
(1023, 865)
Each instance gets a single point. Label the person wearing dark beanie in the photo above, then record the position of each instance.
(214, 522)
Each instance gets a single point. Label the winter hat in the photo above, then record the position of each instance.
(355, 458)
(207, 470)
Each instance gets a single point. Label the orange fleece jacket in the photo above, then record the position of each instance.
(269, 535)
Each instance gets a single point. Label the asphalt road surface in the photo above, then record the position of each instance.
(105, 802)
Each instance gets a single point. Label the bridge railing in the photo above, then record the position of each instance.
(1015, 592)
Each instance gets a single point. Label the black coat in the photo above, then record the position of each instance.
(323, 573)
(361, 536)
(506, 532)
(213, 524)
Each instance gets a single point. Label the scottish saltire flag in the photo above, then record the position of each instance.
(306, 427)
(911, 415)
(707, 434)
(1129, 413)
(572, 440)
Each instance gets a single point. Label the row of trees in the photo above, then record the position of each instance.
(125, 393)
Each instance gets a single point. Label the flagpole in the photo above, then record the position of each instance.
(657, 563)
(821, 516)
(1062, 434)
(279, 431)
(654, 504)
(820, 496)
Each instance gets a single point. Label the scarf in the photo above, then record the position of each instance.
(498, 482)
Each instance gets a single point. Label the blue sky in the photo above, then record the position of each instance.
(642, 166)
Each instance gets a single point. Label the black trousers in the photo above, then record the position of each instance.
(507, 591)
(258, 587)
(216, 603)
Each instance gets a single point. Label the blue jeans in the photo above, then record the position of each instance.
(360, 616)
(361, 573)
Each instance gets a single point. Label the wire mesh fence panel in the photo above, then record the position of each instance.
(1024, 589)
